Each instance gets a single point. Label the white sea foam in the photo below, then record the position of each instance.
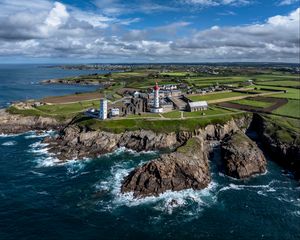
(165, 202)
(2, 135)
(122, 150)
(9, 143)
(75, 166)
(35, 135)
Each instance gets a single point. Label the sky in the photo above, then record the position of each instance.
(154, 31)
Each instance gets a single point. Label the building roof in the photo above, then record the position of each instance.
(198, 104)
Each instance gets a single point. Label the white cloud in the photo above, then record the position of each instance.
(57, 16)
(54, 30)
(206, 3)
(287, 2)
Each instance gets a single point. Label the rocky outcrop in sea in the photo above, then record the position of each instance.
(241, 156)
(187, 167)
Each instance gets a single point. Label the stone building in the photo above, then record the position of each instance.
(197, 106)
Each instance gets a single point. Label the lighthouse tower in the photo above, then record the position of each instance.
(156, 96)
(103, 109)
(156, 106)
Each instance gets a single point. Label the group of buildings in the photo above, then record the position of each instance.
(160, 100)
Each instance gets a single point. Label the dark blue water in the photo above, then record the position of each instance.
(21, 82)
(41, 199)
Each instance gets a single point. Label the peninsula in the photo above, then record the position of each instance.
(178, 110)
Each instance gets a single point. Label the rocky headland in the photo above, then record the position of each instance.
(241, 156)
(14, 123)
(187, 167)
(76, 142)
(185, 162)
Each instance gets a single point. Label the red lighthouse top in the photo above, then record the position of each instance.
(156, 87)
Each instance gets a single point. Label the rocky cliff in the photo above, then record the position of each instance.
(281, 143)
(185, 168)
(78, 142)
(14, 123)
(241, 156)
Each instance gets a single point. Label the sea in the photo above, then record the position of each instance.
(41, 198)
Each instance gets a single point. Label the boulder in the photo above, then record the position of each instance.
(241, 156)
(185, 168)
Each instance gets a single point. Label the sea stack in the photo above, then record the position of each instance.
(241, 156)
(185, 168)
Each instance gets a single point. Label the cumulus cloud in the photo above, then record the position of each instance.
(55, 30)
(206, 3)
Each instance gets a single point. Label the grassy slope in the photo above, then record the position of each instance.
(284, 129)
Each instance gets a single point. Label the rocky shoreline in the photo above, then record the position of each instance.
(14, 124)
(185, 163)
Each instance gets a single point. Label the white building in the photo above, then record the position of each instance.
(197, 106)
(115, 112)
(103, 109)
(156, 105)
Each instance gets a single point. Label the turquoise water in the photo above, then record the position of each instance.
(42, 199)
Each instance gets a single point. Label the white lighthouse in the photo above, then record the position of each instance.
(103, 109)
(156, 106)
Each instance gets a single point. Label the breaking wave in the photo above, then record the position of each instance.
(9, 143)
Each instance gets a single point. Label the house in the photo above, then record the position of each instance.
(197, 106)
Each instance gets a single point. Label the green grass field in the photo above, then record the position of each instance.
(173, 114)
(58, 111)
(159, 125)
(215, 96)
(287, 83)
(292, 93)
(253, 103)
(208, 112)
(291, 109)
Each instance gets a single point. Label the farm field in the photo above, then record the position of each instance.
(292, 93)
(216, 96)
(287, 83)
(291, 109)
(253, 103)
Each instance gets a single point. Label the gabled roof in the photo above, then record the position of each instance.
(198, 104)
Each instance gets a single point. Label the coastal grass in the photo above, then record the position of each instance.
(208, 112)
(284, 129)
(216, 96)
(172, 114)
(159, 125)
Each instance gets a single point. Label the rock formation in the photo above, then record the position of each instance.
(185, 168)
(78, 142)
(14, 123)
(241, 156)
(282, 144)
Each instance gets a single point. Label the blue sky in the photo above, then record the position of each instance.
(149, 31)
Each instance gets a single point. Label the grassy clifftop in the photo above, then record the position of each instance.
(155, 125)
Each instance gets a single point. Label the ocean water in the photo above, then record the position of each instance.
(43, 199)
(21, 82)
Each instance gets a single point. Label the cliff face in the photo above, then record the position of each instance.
(76, 142)
(13, 123)
(241, 156)
(187, 167)
(285, 151)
